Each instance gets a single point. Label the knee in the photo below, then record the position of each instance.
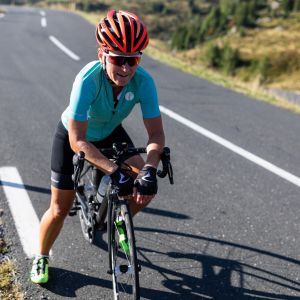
(60, 208)
(58, 213)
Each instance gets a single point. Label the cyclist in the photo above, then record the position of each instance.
(103, 95)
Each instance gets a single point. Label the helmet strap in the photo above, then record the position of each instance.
(104, 65)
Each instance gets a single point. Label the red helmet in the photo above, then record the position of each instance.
(122, 31)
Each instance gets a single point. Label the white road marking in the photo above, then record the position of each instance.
(25, 218)
(43, 22)
(63, 48)
(242, 152)
(42, 13)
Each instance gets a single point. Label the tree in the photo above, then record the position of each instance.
(287, 6)
(212, 23)
(179, 38)
(228, 6)
(296, 5)
(230, 59)
(214, 56)
(241, 14)
(264, 68)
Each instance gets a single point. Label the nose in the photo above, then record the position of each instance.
(126, 66)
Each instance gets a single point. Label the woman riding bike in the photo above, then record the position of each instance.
(103, 95)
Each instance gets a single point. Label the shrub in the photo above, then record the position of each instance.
(179, 38)
(228, 7)
(230, 60)
(286, 61)
(287, 6)
(214, 56)
(297, 5)
(264, 67)
(88, 6)
(227, 58)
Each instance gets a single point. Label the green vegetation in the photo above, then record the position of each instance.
(9, 289)
(231, 21)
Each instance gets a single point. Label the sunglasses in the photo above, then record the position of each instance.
(120, 60)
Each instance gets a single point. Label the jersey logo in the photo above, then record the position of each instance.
(147, 177)
(129, 96)
(56, 181)
(122, 179)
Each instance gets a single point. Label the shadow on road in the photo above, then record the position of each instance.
(195, 275)
(203, 276)
(215, 277)
(65, 283)
(165, 213)
(25, 187)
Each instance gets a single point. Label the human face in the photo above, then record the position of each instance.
(121, 67)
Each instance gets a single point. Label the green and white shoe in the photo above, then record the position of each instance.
(39, 272)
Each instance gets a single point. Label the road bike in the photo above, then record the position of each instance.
(100, 208)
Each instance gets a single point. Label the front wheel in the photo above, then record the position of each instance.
(87, 226)
(123, 261)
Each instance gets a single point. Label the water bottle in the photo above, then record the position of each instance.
(105, 180)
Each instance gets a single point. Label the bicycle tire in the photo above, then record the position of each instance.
(102, 213)
(124, 267)
(87, 230)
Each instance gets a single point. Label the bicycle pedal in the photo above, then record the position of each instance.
(73, 211)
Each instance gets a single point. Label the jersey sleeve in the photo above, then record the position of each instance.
(148, 99)
(82, 95)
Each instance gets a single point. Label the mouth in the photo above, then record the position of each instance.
(122, 75)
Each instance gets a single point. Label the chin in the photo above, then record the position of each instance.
(121, 83)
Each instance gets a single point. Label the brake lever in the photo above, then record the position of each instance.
(167, 167)
(170, 173)
(78, 161)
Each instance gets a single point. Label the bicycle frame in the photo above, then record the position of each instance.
(111, 208)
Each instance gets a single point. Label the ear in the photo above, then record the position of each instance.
(100, 54)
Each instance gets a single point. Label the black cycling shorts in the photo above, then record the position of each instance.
(62, 154)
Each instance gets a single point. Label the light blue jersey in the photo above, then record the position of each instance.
(92, 100)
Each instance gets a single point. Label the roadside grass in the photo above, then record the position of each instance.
(157, 50)
(9, 288)
(275, 39)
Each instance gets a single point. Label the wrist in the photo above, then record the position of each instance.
(150, 169)
(150, 166)
(112, 170)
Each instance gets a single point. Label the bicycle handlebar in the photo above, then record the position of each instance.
(119, 152)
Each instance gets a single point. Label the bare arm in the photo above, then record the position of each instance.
(156, 140)
(78, 142)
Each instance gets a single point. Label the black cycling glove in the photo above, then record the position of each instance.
(146, 182)
(123, 181)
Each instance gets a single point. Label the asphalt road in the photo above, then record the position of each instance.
(227, 229)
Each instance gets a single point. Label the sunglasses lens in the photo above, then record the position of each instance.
(121, 60)
(135, 61)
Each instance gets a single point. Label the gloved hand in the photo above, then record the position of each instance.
(123, 181)
(146, 182)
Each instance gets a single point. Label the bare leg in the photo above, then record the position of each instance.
(53, 219)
